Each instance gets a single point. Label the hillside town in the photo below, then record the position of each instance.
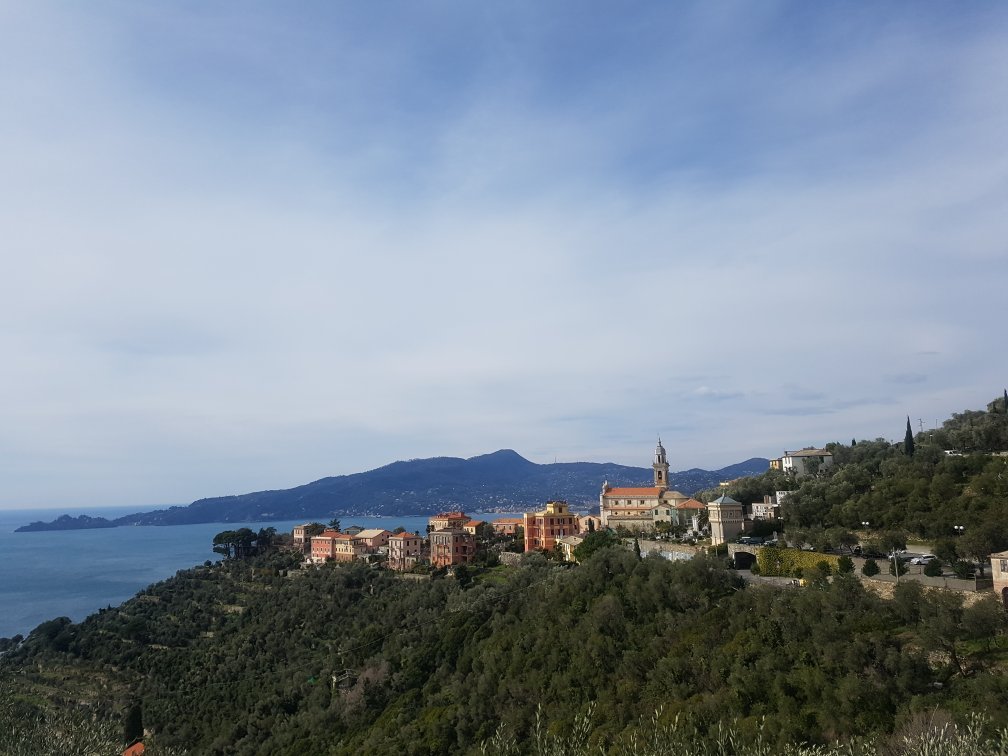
(650, 519)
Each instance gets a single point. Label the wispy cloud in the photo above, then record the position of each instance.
(255, 246)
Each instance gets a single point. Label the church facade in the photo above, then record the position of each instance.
(640, 508)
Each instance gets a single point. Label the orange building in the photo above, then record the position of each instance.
(543, 529)
(451, 547)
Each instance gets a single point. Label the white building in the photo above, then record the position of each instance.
(807, 461)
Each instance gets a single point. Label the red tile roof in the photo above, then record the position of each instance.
(629, 492)
(508, 521)
(134, 750)
(691, 504)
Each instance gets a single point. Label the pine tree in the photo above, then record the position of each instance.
(908, 441)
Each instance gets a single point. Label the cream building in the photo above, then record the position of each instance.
(725, 515)
(640, 508)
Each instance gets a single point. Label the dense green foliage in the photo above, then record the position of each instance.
(245, 657)
(932, 482)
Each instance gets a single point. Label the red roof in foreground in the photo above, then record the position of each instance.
(508, 521)
(628, 492)
(134, 750)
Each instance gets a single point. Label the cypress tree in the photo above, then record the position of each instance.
(1006, 401)
(908, 441)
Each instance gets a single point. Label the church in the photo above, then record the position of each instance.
(642, 508)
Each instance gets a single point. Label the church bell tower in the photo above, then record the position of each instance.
(660, 467)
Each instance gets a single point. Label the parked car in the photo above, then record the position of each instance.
(923, 559)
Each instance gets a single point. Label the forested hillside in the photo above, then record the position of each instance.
(245, 658)
(953, 476)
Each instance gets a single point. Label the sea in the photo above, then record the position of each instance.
(73, 573)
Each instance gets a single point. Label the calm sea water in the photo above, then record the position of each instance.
(75, 573)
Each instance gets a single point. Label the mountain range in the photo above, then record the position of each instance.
(503, 481)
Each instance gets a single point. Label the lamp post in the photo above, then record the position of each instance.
(958, 529)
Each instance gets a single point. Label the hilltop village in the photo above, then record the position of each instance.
(650, 519)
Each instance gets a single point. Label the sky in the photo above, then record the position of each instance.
(247, 245)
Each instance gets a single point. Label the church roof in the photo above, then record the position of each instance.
(629, 492)
(690, 504)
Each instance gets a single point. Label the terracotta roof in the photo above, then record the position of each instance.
(628, 492)
(453, 515)
(691, 504)
(474, 523)
(405, 534)
(332, 534)
(134, 750)
(508, 521)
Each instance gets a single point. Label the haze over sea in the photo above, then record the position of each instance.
(74, 573)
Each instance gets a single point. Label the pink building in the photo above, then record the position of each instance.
(404, 550)
(331, 545)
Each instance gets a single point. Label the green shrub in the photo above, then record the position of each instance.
(870, 568)
(845, 565)
(964, 570)
(897, 564)
(934, 568)
(824, 567)
(754, 568)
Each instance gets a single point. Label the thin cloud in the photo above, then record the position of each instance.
(247, 248)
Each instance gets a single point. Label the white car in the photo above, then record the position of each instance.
(923, 559)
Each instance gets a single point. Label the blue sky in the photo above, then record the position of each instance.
(248, 245)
